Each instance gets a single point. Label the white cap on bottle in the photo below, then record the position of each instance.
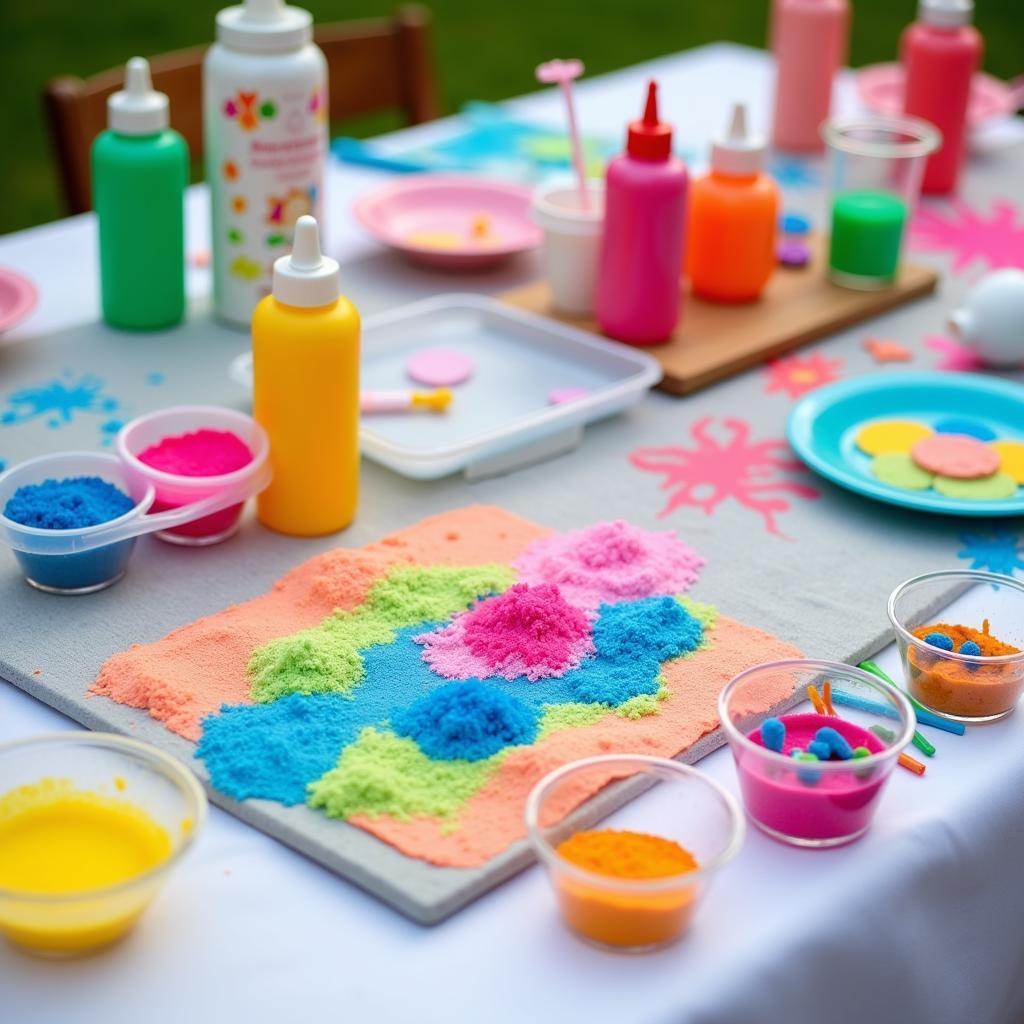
(946, 13)
(739, 152)
(306, 277)
(138, 109)
(264, 26)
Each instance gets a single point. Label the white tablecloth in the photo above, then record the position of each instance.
(918, 922)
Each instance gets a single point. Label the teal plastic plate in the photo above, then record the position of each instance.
(824, 424)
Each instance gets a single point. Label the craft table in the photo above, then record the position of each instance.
(918, 922)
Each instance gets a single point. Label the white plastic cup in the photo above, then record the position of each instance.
(572, 243)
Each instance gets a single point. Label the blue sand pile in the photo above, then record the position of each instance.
(69, 504)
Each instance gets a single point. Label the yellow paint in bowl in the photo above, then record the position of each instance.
(81, 857)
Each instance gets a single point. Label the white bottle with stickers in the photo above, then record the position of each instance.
(266, 137)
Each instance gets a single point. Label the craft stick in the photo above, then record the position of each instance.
(906, 761)
(923, 715)
(923, 745)
(812, 692)
(826, 699)
(886, 710)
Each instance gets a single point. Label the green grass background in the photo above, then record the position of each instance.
(485, 50)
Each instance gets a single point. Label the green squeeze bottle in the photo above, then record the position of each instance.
(139, 174)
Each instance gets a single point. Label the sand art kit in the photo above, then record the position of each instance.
(418, 687)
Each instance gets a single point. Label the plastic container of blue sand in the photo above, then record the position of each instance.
(73, 559)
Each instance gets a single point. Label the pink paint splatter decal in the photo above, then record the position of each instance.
(610, 562)
(714, 471)
(526, 631)
(997, 240)
(796, 375)
(956, 356)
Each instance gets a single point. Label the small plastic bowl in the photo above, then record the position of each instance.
(961, 687)
(632, 915)
(72, 924)
(64, 561)
(816, 804)
(174, 491)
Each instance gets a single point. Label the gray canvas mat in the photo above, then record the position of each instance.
(821, 582)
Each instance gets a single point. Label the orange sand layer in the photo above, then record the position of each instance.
(192, 671)
(493, 818)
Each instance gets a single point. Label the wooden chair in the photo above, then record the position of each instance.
(374, 65)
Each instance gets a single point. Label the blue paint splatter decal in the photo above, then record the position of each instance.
(1000, 551)
(60, 401)
(790, 172)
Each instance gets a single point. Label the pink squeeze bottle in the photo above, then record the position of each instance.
(940, 52)
(638, 291)
(809, 39)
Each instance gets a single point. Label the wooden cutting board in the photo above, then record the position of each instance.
(715, 340)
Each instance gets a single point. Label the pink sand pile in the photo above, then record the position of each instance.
(610, 562)
(202, 453)
(527, 631)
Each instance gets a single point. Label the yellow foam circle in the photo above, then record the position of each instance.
(887, 436)
(1011, 456)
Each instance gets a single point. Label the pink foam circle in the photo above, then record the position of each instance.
(439, 367)
(955, 455)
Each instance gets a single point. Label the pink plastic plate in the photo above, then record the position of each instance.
(880, 89)
(18, 298)
(450, 221)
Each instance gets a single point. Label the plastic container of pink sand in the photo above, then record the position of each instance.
(214, 502)
(813, 803)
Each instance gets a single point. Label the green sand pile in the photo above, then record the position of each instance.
(326, 659)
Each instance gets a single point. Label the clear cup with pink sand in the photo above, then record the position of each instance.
(201, 455)
(813, 779)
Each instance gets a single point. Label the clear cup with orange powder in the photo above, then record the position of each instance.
(983, 685)
(624, 890)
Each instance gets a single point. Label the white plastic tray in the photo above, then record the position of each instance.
(501, 419)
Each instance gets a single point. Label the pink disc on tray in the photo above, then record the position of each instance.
(955, 455)
(450, 221)
(439, 367)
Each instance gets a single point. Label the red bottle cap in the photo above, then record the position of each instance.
(650, 139)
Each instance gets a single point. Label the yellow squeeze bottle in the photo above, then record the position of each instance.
(305, 357)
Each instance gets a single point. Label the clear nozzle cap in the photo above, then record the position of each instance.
(137, 109)
(946, 13)
(264, 26)
(306, 277)
(738, 152)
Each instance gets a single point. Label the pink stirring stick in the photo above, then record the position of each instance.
(562, 73)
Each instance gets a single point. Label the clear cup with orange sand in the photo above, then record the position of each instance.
(631, 891)
(91, 825)
(968, 671)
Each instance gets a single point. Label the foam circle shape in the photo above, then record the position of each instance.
(1011, 458)
(987, 488)
(900, 470)
(887, 436)
(968, 428)
(439, 367)
(956, 456)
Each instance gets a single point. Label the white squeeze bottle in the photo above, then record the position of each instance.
(265, 129)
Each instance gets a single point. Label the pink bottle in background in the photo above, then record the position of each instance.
(809, 39)
(940, 52)
(638, 290)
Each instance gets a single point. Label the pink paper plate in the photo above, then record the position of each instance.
(880, 89)
(18, 298)
(431, 217)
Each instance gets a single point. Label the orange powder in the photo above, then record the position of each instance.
(967, 689)
(616, 916)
